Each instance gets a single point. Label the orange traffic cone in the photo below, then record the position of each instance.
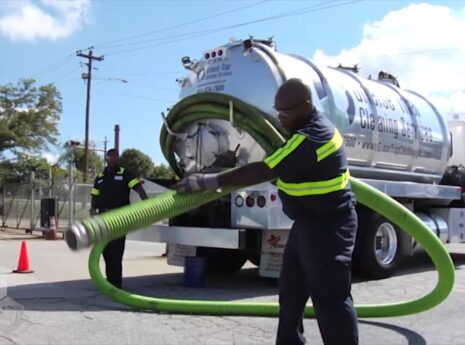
(52, 231)
(23, 262)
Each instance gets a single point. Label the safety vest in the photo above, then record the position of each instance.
(322, 153)
(95, 192)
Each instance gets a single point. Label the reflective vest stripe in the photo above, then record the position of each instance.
(95, 192)
(284, 151)
(330, 147)
(133, 182)
(315, 188)
(120, 171)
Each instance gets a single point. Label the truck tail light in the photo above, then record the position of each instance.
(239, 201)
(261, 201)
(273, 197)
(250, 201)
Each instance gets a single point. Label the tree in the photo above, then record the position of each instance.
(75, 155)
(20, 170)
(162, 172)
(29, 116)
(137, 162)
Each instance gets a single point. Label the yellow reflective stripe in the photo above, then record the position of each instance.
(284, 151)
(315, 188)
(95, 192)
(120, 171)
(330, 147)
(133, 182)
(100, 174)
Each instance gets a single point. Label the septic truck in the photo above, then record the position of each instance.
(396, 141)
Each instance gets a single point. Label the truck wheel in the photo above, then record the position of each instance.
(378, 248)
(222, 261)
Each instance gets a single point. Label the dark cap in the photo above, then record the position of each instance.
(112, 151)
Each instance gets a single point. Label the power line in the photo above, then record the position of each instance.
(136, 84)
(67, 59)
(206, 31)
(110, 43)
(184, 36)
(61, 62)
(134, 96)
(158, 72)
(61, 78)
(411, 52)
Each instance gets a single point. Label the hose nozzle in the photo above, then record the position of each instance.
(77, 237)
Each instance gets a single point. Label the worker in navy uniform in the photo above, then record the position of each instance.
(311, 173)
(111, 190)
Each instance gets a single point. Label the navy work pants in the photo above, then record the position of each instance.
(317, 264)
(113, 256)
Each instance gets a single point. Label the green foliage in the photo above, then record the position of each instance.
(75, 155)
(141, 165)
(29, 116)
(20, 170)
(137, 162)
(162, 172)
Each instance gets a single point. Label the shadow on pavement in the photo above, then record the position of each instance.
(421, 262)
(82, 295)
(413, 338)
(418, 263)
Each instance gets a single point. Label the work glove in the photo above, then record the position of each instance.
(197, 183)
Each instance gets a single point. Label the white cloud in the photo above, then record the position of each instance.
(422, 45)
(50, 157)
(47, 19)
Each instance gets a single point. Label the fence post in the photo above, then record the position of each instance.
(3, 205)
(33, 203)
(50, 183)
(72, 192)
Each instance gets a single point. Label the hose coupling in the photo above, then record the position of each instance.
(77, 237)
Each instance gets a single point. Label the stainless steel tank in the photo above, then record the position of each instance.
(390, 133)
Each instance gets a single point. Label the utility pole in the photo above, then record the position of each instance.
(87, 76)
(105, 142)
(117, 138)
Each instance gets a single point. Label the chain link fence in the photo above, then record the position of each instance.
(30, 205)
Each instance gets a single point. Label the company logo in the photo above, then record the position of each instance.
(274, 240)
(350, 107)
(323, 97)
(11, 312)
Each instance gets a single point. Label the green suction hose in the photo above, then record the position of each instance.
(121, 221)
(100, 229)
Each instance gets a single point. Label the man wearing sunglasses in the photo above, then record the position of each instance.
(311, 174)
(111, 190)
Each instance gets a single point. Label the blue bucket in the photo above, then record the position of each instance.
(194, 271)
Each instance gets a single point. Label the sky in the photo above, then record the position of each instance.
(422, 43)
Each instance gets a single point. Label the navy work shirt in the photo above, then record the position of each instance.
(312, 170)
(112, 187)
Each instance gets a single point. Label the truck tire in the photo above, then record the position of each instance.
(222, 261)
(378, 250)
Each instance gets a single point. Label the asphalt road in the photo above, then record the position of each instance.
(58, 304)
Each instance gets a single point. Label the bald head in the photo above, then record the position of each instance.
(293, 101)
(293, 91)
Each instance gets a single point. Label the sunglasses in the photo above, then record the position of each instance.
(290, 109)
